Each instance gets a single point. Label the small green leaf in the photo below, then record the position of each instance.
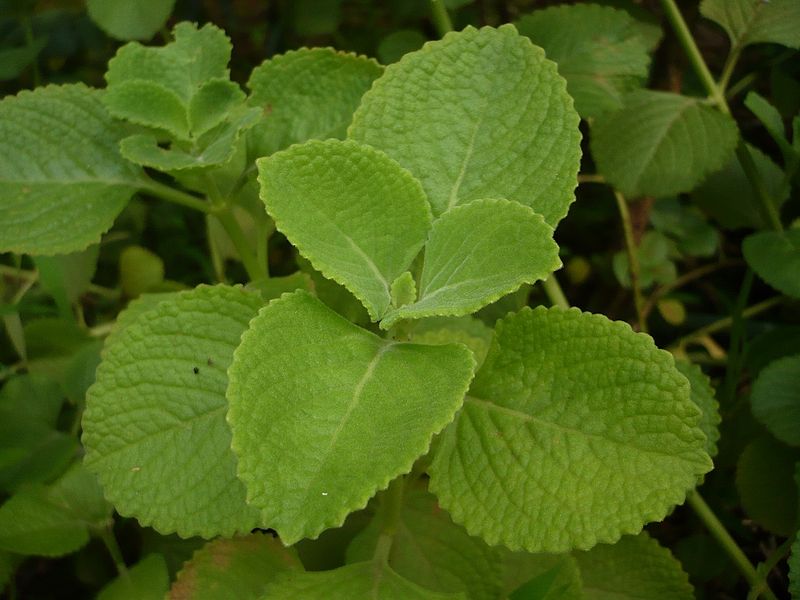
(563, 400)
(211, 104)
(475, 254)
(146, 580)
(478, 114)
(661, 144)
(148, 103)
(322, 196)
(274, 287)
(52, 202)
(635, 567)
(341, 410)
(771, 120)
(139, 270)
(398, 43)
(775, 257)
(126, 20)
(31, 397)
(461, 330)
(306, 94)
(702, 394)
(404, 290)
(13, 61)
(157, 413)
(598, 50)
(235, 568)
(66, 277)
(655, 264)
(756, 21)
(776, 399)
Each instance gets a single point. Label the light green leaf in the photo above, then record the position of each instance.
(635, 567)
(139, 270)
(477, 253)
(135, 308)
(702, 394)
(126, 20)
(432, 551)
(478, 114)
(157, 413)
(598, 50)
(66, 277)
(462, 330)
(556, 575)
(211, 104)
(236, 568)
(51, 201)
(776, 399)
(775, 257)
(756, 21)
(341, 410)
(306, 94)
(563, 400)
(403, 290)
(353, 212)
(146, 580)
(661, 144)
(148, 103)
(365, 581)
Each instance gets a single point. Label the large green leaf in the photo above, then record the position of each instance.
(127, 20)
(477, 253)
(776, 399)
(661, 144)
(566, 399)
(154, 426)
(146, 580)
(775, 257)
(598, 50)
(233, 568)
(306, 94)
(702, 394)
(342, 411)
(52, 201)
(356, 214)
(478, 114)
(633, 568)
(756, 21)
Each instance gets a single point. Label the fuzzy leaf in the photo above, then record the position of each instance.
(352, 211)
(127, 20)
(776, 399)
(660, 144)
(463, 330)
(342, 411)
(702, 394)
(563, 400)
(477, 253)
(478, 114)
(598, 50)
(756, 21)
(306, 94)
(212, 103)
(146, 580)
(775, 257)
(51, 201)
(157, 414)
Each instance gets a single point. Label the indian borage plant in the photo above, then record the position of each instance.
(225, 409)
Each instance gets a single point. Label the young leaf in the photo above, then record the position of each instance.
(306, 94)
(342, 411)
(756, 21)
(635, 567)
(475, 254)
(356, 214)
(598, 50)
(126, 20)
(563, 400)
(51, 201)
(776, 399)
(146, 580)
(775, 257)
(234, 568)
(660, 144)
(462, 330)
(477, 114)
(157, 413)
(702, 394)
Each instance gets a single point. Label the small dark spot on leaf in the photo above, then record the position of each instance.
(196, 370)
(210, 362)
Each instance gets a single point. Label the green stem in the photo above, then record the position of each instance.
(175, 196)
(729, 545)
(727, 69)
(591, 178)
(441, 19)
(633, 259)
(107, 536)
(28, 31)
(235, 233)
(765, 568)
(391, 507)
(736, 344)
(554, 292)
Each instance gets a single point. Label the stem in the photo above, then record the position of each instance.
(175, 196)
(28, 31)
(633, 259)
(392, 506)
(727, 69)
(729, 545)
(107, 535)
(235, 233)
(591, 178)
(554, 292)
(765, 568)
(440, 17)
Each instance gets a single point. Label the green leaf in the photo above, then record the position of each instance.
(212, 103)
(661, 144)
(598, 50)
(139, 270)
(236, 568)
(148, 103)
(551, 576)
(477, 253)
(306, 94)
(52, 202)
(322, 198)
(157, 414)
(146, 580)
(775, 257)
(31, 397)
(366, 580)
(771, 120)
(756, 21)
(432, 551)
(478, 114)
(13, 61)
(794, 570)
(776, 399)
(274, 287)
(563, 400)
(67, 277)
(398, 43)
(635, 567)
(702, 394)
(462, 330)
(655, 264)
(125, 20)
(341, 410)
(692, 234)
